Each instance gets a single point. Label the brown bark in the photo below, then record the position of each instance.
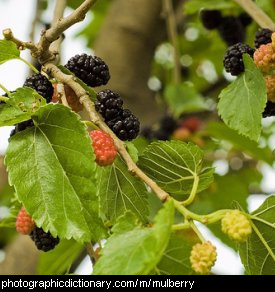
(127, 42)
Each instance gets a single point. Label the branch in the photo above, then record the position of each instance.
(58, 14)
(91, 253)
(61, 94)
(257, 14)
(84, 98)
(62, 24)
(173, 37)
(8, 35)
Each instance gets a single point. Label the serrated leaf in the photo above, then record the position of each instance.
(53, 169)
(222, 132)
(138, 251)
(176, 258)
(8, 51)
(243, 101)
(120, 192)
(59, 260)
(88, 89)
(183, 98)
(193, 6)
(258, 252)
(22, 104)
(173, 165)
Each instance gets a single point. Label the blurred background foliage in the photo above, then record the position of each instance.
(239, 162)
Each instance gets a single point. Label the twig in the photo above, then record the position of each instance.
(58, 14)
(91, 252)
(52, 34)
(36, 19)
(257, 14)
(173, 36)
(8, 35)
(84, 98)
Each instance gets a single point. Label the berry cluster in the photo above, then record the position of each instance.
(121, 121)
(24, 223)
(104, 147)
(95, 72)
(236, 225)
(232, 29)
(43, 240)
(233, 60)
(90, 69)
(203, 257)
(26, 226)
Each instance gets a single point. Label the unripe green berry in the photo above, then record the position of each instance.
(203, 257)
(236, 225)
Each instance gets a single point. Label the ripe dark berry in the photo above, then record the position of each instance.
(263, 37)
(41, 84)
(43, 240)
(231, 30)
(211, 19)
(104, 147)
(125, 126)
(24, 223)
(269, 110)
(168, 124)
(90, 69)
(245, 19)
(21, 127)
(233, 60)
(109, 104)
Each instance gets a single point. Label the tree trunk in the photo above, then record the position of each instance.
(127, 42)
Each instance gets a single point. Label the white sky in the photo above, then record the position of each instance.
(17, 15)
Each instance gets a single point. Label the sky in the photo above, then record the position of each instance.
(17, 15)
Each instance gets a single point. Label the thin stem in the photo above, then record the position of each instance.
(3, 98)
(29, 65)
(181, 226)
(195, 228)
(91, 252)
(257, 14)
(58, 14)
(193, 191)
(7, 92)
(263, 240)
(91, 125)
(56, 30)
(173, 36)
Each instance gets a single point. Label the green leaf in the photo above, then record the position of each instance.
(120, 192)
(183, 98)
(132, 150)
(243, 101)
(89, 90)
(258, 252)
(137, 252)
(193, 6)
(53, 169)
(176, 258)
(8, 51)
(173, 165)
(125, 223)
(222, 132)
(59, 260)
(20, 107)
